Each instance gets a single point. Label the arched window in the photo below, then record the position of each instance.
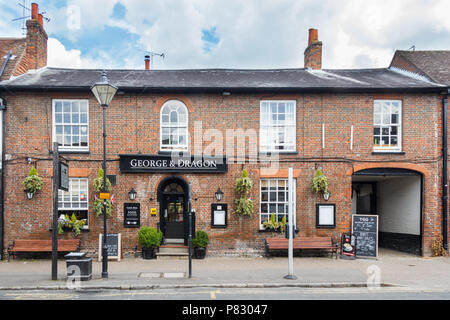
(174, 126)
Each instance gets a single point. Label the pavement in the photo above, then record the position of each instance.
(390, 269)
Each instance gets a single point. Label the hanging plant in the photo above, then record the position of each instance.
(242, 187)
(98, 187)
(319, 183)
(98, 182)
(33, 183)
(98, 207)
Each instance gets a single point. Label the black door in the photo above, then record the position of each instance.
(173, 210)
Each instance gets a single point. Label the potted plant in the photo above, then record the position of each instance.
(98, 187)
(199, 244)
(320, 183)
(242, 186)
(32, 183)
(70, 223)
(150, 239)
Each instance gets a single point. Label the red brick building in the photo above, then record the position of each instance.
(375, 133)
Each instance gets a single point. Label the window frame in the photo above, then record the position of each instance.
(54, 124)
(71, 210)
(271, 147)
(277, 202)
(399, 125)
(176, 148)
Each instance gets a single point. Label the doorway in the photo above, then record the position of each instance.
(395, 195)
(173, 200)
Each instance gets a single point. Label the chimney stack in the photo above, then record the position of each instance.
(147, 62)
(313, 53)
(36, 40)
(34, 11)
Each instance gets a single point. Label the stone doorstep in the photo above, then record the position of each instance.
(172, 255)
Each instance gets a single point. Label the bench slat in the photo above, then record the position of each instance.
(321, 243)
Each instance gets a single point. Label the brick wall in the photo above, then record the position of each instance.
(133, 127)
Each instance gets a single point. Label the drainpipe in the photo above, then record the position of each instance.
(444, 173)
(2, 178)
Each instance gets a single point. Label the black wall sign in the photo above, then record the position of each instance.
(63, 176)
(365, 228)
(131, 215)
(219, 215)
(138, 163)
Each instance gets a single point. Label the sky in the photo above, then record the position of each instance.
(237, 34)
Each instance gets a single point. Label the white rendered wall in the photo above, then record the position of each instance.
(398, 205)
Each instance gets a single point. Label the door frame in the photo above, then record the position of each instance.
(162, 185)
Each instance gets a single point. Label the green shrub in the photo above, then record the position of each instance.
(149, 237)
(201, 239)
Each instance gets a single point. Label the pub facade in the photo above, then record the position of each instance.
(177, 139)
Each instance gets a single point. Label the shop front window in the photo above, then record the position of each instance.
(274, 200)
(75, 201)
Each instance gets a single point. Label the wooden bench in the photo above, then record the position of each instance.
(301, 243)
(30, 246)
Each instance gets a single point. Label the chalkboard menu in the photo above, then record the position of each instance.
(113, 244)
(365, 228)
(131, 215)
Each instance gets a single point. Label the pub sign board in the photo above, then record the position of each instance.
(365, 228)
(131, 215)
(138, 163)
(63, 176)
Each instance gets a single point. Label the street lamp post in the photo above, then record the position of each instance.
(104, 92)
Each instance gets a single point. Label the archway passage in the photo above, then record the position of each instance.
(395, 195)
(173, 201)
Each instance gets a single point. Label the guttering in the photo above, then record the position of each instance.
(444, 172)
(232, 90)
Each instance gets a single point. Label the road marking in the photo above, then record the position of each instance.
(41, 296)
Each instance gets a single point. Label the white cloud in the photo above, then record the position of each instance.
(252, 33)
(59, 56)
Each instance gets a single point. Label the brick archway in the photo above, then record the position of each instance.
(398, 165)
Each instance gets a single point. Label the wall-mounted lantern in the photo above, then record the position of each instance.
(219, 194)
(132, 194)
(29, 194)
(326, 195)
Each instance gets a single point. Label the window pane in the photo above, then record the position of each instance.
(385, 141)
(75, 118)
(394, 118)
(264, 208)
(377, 118)
(394, 141)
(66, 117)
(66, 105)
(58, 106)
(83, 118)
(58, 118)
(75, 107)
(83, 107)
(386, 118)
(376, 131)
